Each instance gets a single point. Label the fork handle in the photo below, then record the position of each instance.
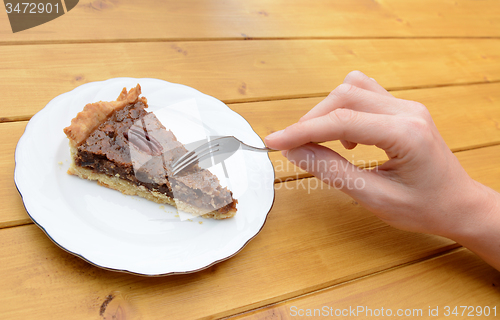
(266, 149)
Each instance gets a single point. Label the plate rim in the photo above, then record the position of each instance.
(81, 256)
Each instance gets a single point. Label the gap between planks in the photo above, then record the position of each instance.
(17, 223)
(247, 38)
(306, 175)
(24, 222)
(304, 96)
(451, 250)
(447, 250)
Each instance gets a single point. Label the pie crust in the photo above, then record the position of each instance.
(112, 143)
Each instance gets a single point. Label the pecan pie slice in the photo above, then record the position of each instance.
(126, 148)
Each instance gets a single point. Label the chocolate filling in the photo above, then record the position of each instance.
(108, 150)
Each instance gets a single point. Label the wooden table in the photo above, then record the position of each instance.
(270, 61)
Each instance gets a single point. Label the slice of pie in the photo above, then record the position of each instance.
(126, 148)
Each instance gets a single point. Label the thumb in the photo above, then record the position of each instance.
(325, 164)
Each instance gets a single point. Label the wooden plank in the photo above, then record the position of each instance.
(13, 212)
(482, 165)
(328, 238)
(466, 116)
(239, 71)
(423, 290)
(462, 127)
(197, 19)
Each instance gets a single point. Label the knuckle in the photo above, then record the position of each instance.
(334, 177)
(420, 110)
(419, 129)
(300, 130)
(355, 77)
(343, 91)
(417, 125)
(342, 115)
(420, 125)
(298, 127)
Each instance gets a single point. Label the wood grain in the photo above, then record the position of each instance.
(240, 71)
(13, 212)
(328, 239)
(271, 61)
(318, 237)
(462, 127)
(152, 20)
(456, 279)
(467, 117)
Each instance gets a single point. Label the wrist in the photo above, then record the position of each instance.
(477, 212)
(477, 226)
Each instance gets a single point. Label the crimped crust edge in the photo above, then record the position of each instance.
(94, 114)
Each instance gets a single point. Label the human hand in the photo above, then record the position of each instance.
(421, 188)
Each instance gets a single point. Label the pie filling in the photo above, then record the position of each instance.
(132, 145)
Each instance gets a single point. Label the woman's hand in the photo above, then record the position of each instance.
(422, 187)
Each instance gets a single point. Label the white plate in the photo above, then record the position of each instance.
(131, 234)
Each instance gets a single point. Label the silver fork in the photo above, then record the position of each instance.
(213, 152)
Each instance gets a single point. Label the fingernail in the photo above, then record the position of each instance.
(274, 135)
(373, 80)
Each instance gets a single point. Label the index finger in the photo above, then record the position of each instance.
(340, 124)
